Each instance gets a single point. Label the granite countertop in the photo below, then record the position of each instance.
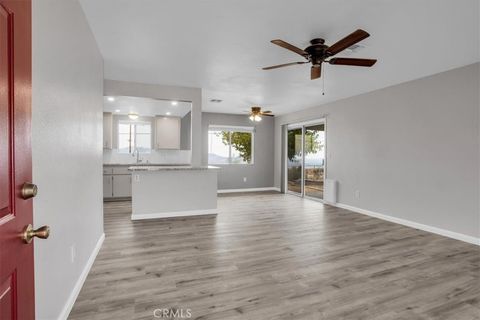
(162, 168)
(145, 164)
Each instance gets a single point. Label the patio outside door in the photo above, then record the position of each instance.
(305, 159)
(295, 161)
(314, 160)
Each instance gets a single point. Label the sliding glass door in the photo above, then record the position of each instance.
(295, 160)
(305, 159)
(314, 163)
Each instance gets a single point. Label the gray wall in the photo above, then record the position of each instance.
(412, 150)
(260, 173)
(67, 149)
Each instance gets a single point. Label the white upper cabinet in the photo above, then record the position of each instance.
(167, 133)
(107, 130)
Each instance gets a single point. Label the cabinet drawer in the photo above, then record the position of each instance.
(107, 170)
(121, 170)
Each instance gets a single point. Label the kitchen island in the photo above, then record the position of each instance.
(173, 191)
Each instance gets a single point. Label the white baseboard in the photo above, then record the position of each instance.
(158, 215)
(79, 284)
(248, 190)
(412, 224)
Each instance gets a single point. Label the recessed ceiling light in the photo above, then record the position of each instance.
(111, 99)
(117, 110)
(168, 113)
(174, 103)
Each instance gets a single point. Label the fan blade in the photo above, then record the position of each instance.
(266, 115)
(289, 46)
(316, 72)
(283, 65)
(348, 41)
(268, 111)
(353, 62)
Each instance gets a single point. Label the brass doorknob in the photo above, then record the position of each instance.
(29, 190)
(29, 233)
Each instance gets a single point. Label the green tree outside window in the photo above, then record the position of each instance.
(241, 141)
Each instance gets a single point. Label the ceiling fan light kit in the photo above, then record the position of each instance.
(255, 118)
(318, 52)
(256, 114)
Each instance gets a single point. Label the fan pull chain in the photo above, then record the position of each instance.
(323, 81)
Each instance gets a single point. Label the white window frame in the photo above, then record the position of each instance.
(135, 123)
(250, 130)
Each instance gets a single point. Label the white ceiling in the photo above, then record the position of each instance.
(145, 106)
(220, 45)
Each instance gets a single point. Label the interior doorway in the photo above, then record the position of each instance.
(305, 159)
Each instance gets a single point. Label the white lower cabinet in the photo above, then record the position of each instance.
(117, 183)
(107, 186)
(122, 185)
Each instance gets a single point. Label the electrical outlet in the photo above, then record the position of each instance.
(357, 194)
(244, 179)
(73, 253)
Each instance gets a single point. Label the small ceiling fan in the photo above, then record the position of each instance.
(256, 114)
(318, 52)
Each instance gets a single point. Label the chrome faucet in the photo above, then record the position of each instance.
(138, 155)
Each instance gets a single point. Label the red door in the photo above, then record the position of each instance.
(16, 256)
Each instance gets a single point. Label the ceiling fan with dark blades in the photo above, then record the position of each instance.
(318, 52)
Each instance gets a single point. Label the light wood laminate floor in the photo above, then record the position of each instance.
(277, 256)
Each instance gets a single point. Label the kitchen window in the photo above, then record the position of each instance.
(134, 136)
(230, 145)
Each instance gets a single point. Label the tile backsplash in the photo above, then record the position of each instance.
(156, 156)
